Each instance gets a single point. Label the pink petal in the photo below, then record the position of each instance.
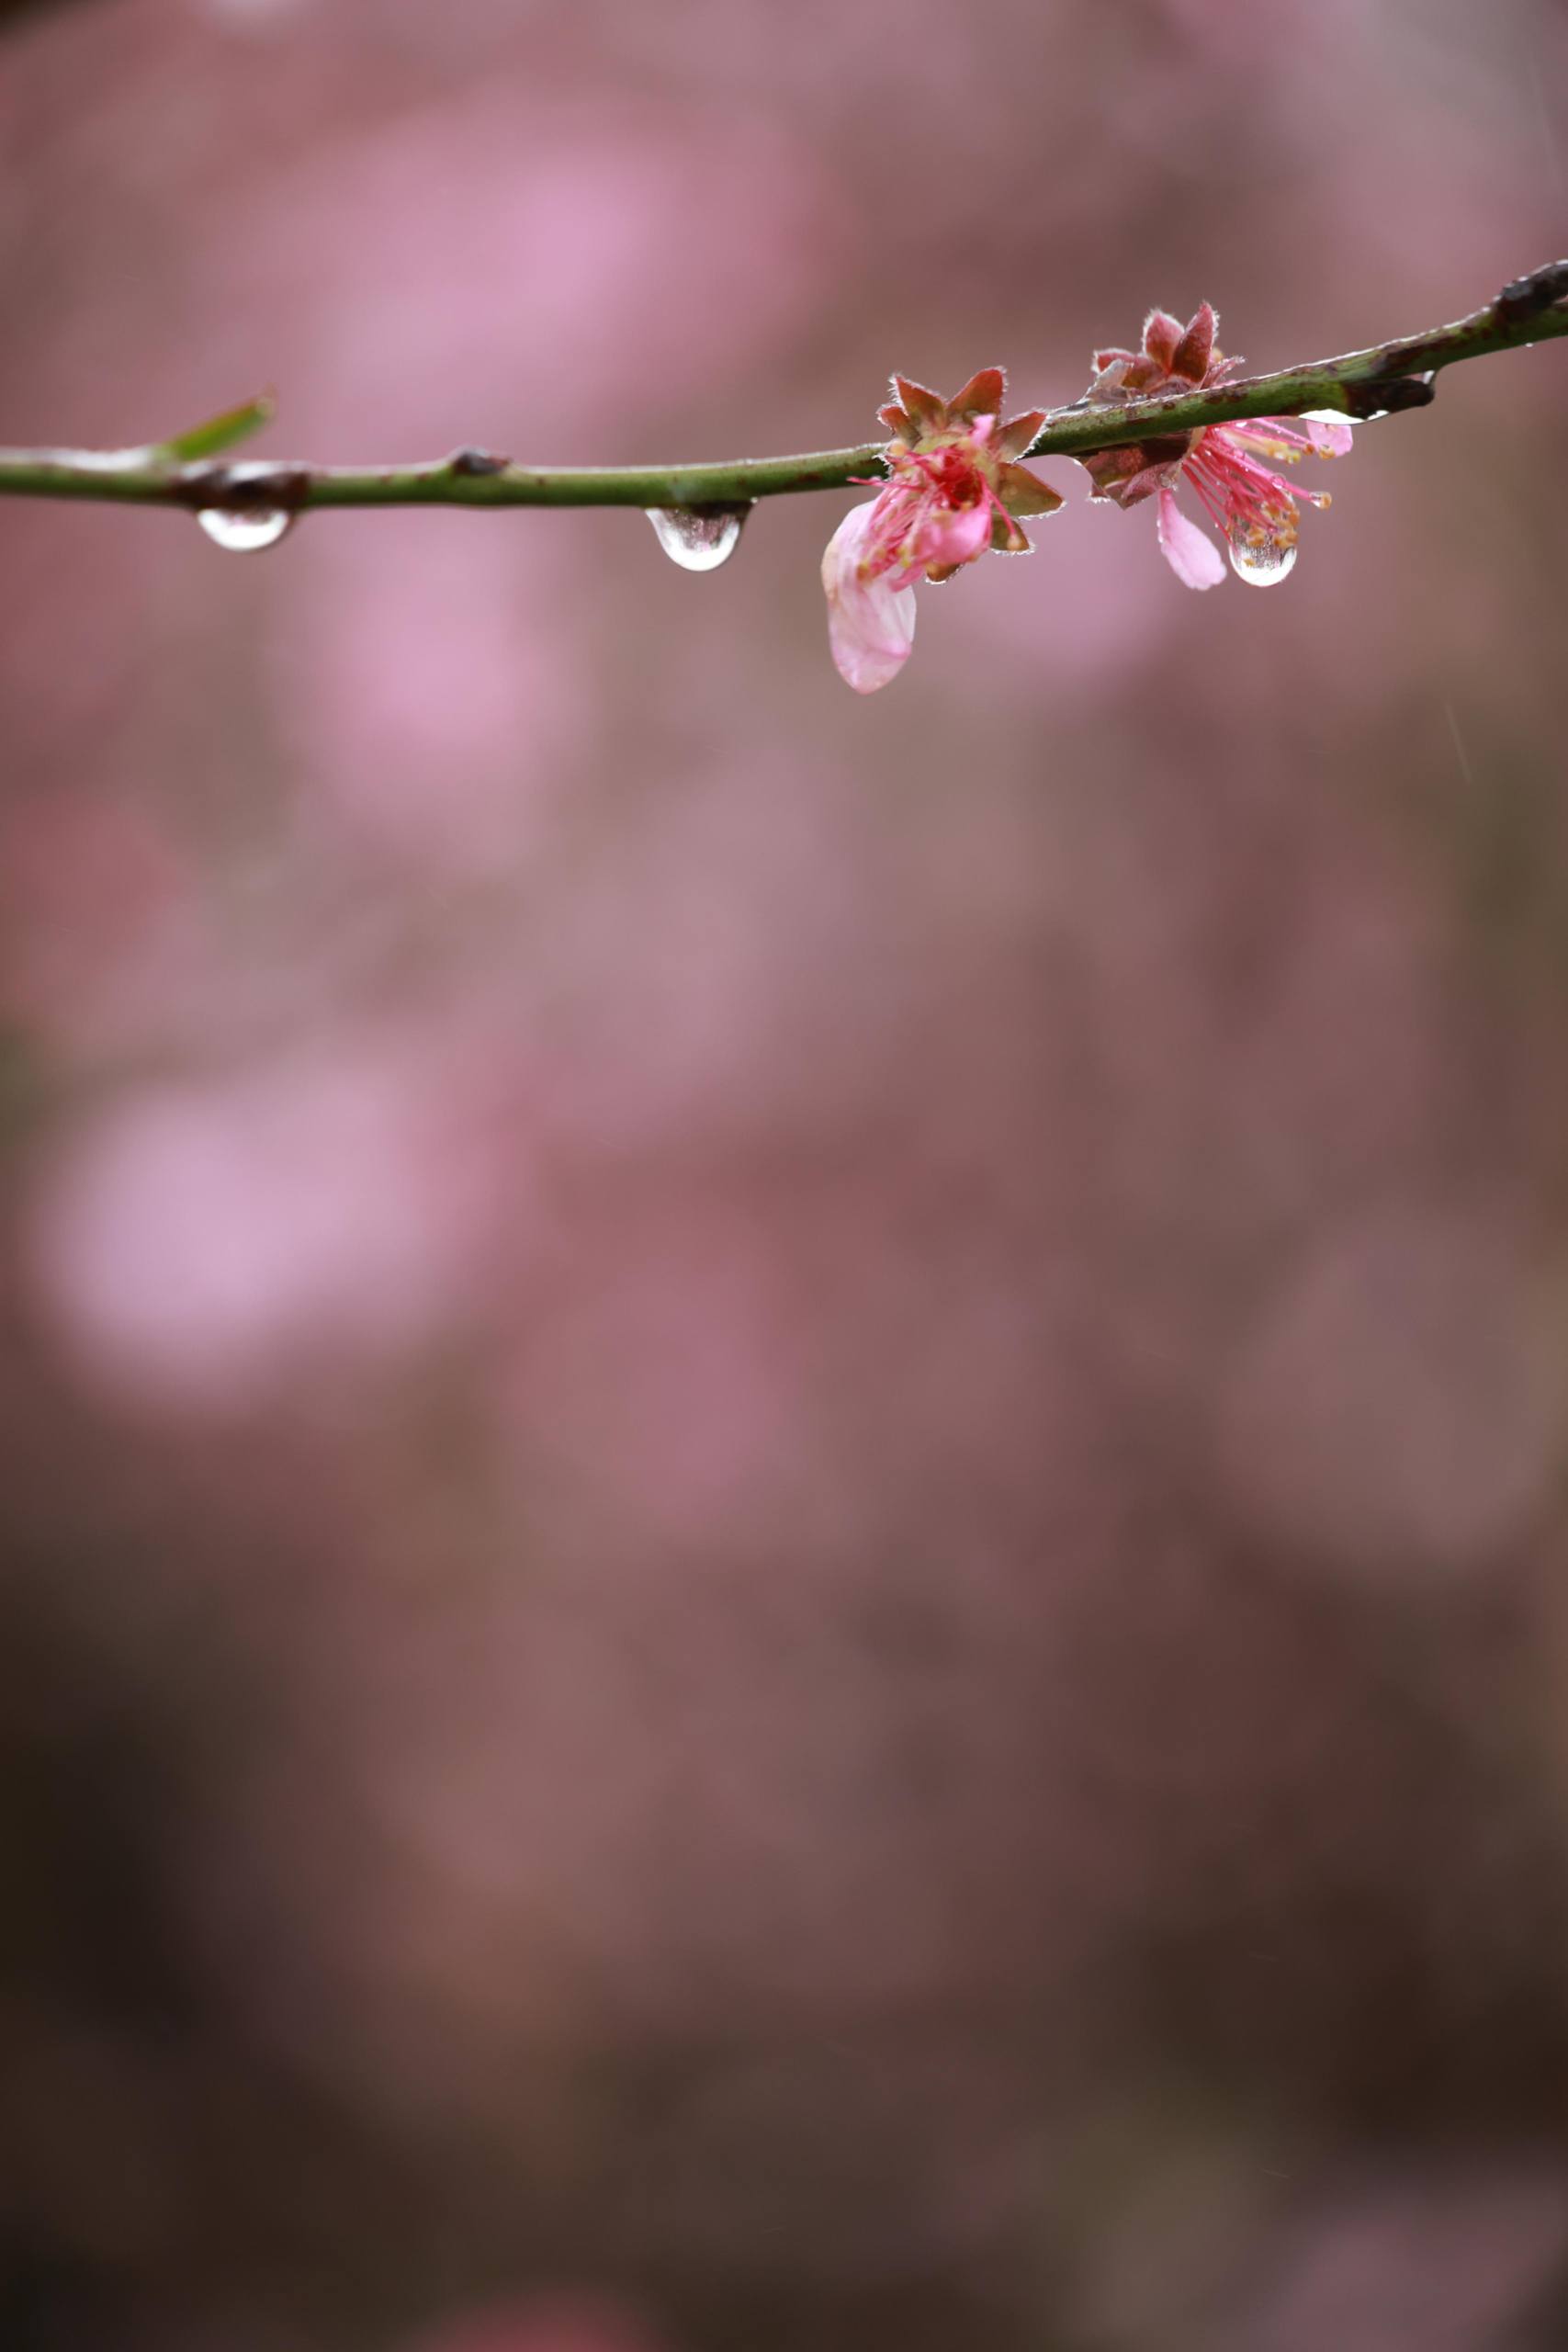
(1191, 553)
(955, 537)
(870, 620)
(1337, 439)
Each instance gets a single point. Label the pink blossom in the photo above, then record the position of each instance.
(1230, 468)
(196, 1245)
(953, 489)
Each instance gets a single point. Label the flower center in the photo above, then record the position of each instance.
(953, 473)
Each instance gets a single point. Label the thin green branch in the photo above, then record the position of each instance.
(187, 470)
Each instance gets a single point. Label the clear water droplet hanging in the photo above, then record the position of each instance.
(699, 539)
(261, 522)
(1259, 558)
(243, 530)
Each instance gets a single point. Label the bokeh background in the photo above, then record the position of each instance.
(782, 1477)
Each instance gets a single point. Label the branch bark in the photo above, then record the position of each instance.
(189, 472)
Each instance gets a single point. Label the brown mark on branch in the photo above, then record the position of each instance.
(243, 489)
(1538, 290)
(1366, 401)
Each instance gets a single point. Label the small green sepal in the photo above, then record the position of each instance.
(220, 433)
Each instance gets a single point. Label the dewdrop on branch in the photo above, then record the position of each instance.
(699, 539)
(244, 530)
(249, 520)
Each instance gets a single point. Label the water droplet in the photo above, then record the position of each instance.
(242, 529)
(699, 539)
(1262, 561)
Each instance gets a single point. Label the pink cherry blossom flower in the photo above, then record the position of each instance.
(1230, 469)
(953, 489)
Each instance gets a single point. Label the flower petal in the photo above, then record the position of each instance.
(1331, 440)
(955, 535)
(871, 619)
(1191, 553)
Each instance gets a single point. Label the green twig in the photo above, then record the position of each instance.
(185, 472)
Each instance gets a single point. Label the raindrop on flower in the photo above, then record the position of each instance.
(1260, 561)
(699, 539)
(242, 529)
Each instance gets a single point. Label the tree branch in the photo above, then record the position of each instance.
(188, 471)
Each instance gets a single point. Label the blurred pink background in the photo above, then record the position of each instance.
(783, 1477)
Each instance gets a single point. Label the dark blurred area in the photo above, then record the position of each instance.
(782, 1477)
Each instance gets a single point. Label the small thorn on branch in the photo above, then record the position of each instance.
(245, 488)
